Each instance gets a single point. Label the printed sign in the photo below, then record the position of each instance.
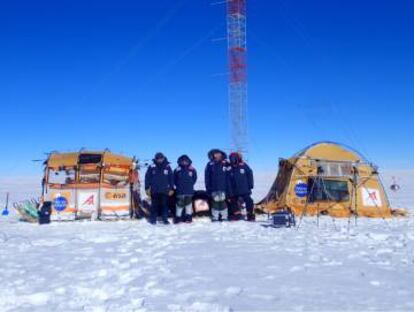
(115, 195)
(60, 203)
(88, 201)
(301, 189)
(371, 197)
(201, 206)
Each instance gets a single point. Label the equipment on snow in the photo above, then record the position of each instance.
(45, 212)
(201, 203)
(5, 211)
(283, 218)
(27, 210)
(395, 187)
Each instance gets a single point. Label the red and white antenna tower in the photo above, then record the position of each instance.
(237, 49)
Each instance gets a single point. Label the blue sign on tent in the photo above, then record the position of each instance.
(301, 189)
(60, 203)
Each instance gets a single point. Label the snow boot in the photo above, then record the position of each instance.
(177, 220)
(188, 218)
(236, 216)
(251, 217)
(166, 222)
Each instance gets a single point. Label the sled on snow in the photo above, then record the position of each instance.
(27, 210)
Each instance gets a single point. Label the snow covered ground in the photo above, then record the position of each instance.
(132, 266)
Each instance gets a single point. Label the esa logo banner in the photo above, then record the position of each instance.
(115, 195)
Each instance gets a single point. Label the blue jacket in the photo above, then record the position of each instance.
(159, 178)
(184, 180)
(241, 180)
(216, 174)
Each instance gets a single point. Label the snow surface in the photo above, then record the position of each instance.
(132, 266)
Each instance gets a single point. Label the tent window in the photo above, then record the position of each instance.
(62, 176)
(321, 189)
(334, 169)
(90, 159)
(346, 170)
(116, 179)
(89, 176)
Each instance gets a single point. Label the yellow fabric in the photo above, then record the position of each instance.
(110, 159)
(330, 151)
(369, 200)
(57, 160)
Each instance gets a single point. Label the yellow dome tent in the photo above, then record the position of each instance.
(327, 178)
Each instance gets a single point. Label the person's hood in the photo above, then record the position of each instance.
(238, 156)
(184, 157)
(214, 151)
(160, 155)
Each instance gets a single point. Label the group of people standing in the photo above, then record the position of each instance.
(229, 183)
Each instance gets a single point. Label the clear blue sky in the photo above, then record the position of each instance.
(146, 76)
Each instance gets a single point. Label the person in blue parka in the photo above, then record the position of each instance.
(217, 183)
(159, 185)
(242, 183)
(185, 177)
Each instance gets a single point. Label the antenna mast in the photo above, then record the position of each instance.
(237, 48)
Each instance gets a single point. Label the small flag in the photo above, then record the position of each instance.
(5, 211)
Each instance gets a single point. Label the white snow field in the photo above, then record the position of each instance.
(133, 266)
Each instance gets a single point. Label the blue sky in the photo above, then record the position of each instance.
(145, 76)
